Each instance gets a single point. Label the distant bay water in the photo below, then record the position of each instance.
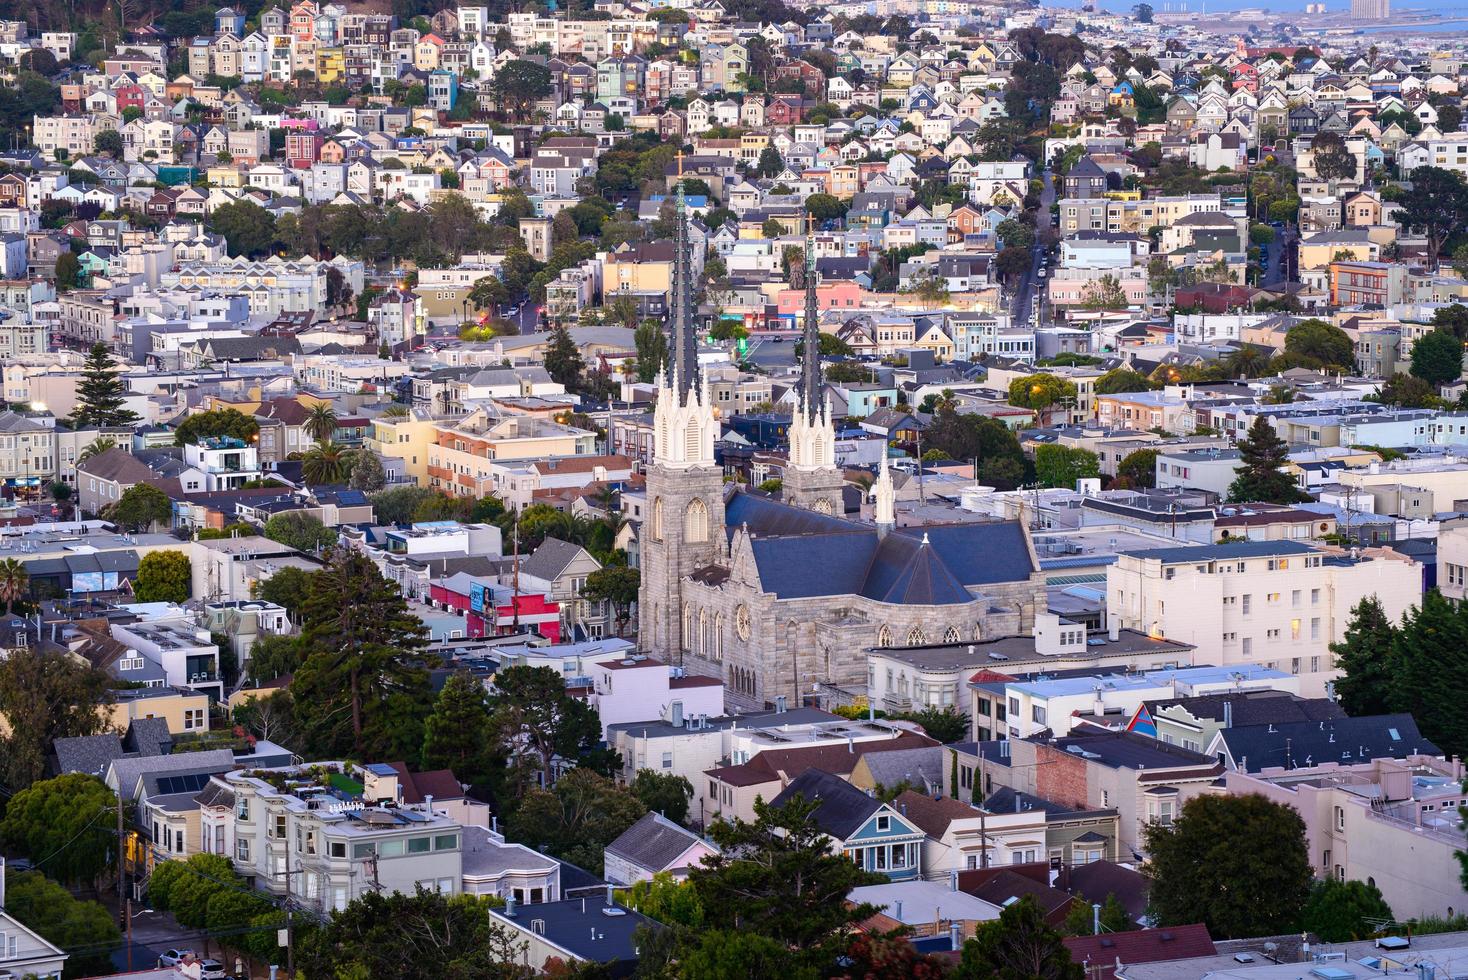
(1456, 9)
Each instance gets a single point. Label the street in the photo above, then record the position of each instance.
(1024, 296)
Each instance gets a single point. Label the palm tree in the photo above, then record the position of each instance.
(13, 582)
(321, 422)
(396, 412)
(95, 448)
(325, 462)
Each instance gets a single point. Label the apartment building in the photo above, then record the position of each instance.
(461, 459)
(1276, 604)
(27, 452)
(1392, 823)
(322, 835)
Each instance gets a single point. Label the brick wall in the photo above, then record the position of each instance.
(1060, 776)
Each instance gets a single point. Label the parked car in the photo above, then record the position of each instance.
(174, 957)
(213, 970)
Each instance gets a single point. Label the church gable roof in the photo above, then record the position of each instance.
(908, 571)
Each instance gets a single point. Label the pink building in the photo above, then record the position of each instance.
(840, 295)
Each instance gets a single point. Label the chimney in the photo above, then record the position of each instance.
(509, 906)
(1113, 626)
(897, 910)
(953, 880)
(955, 936)
(2, 882)
(428, 803)
(1228, 714)
(1096, 919)
(611, 895)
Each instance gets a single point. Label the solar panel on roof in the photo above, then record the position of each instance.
(190, 783)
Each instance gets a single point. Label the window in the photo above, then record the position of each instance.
(193, 718)
(1248, 601)
(1248, 646)
(1294, 629)
(884, 823)
(667, 760)
(446, 842)
(279, 833)
(1295, 598)
(392, 848)
(242, 809)
(336, 848)
(1014, 706)
(242, 849)
(1340, 818)
(360, 851)
(1037, 713)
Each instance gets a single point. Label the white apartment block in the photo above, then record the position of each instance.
(1277, 604)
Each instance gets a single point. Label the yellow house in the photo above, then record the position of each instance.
(1319, 251)
(935, 340)
(407, 437)
(462, 459)
(330, 65)
(637, 269)
(183, 710)
(225, 175)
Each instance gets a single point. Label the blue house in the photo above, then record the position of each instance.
(863, 828)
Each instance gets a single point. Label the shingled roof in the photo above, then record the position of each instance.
(653, 843)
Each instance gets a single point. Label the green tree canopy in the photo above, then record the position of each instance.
(1407, 391)
(64, 824)
(287, 588)
(1119, 380)
(1364, 658)
(397, 506)
(85, 929)
(1429, 670)
(1139, 467)
(1321, 341)
(1062, 466)
(457, 735)
(45, 696)
(577, 818)
(663, 792)
(1343, 911)
(301, 531)
(1260, 477)
(563, 358)
(207, 425)
(362, 690)
(99, 394)
(1019, 945)
(1437, 358)
(1041, 391)
(617, 585)
(248, 229)
(533, 711)
(1237, 864)
(140, 507)
(164, 576)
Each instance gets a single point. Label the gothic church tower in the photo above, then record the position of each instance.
(812, 479)
(684, 527)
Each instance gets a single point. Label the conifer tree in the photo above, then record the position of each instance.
(563, 358)
(99, 394)
(457, 736)
(1429, 671)
(1364, 659)
(1262, 452)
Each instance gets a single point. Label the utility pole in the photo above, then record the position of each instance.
(515, 597)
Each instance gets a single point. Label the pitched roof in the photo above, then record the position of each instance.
(1140, 946)
(1313, 743)
(842, 807)
(551, 559)
(653, 843)
(116, 466)
(931, 815)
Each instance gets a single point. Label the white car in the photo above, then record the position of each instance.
(174, 957)
(213, 970)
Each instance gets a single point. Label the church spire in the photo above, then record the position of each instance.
(810, 371)
(885, 515)
(685, 339)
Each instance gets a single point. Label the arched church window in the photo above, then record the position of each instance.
(979, 634)
(703, 633)
(657, 519)
(691, 440)
(696, 523)
(884, 636)
(915, 637)
(822, 506)
(719, 637)
(951, 636)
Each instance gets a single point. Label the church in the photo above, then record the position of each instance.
(779, 597)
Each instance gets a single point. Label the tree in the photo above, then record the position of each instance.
(64, 823)
(1343, 911)
(769, 163)
(1436, 206)
(85, 929)
(776, 877)
(663, 792)
(617, 585)
(95, 448)
(1001, 461)
(99, 394)
(563, 358)
(301, 531)
(68, 272)
(1018, 945)
(826, 207)
(14, 583)
(362, 689)
(1261, 454)
(108, 141)
(1104, 293)
(1119, 380)
(208, 425)
(1437, 358)
(577, 818)
(457, 735)
(368, 474)
(141, 506)
(772, 228)
(420, 934)
(45, 696)
(666, 899)
(396, 506)
(1333, 161)
(1429, 665)
(1237, 864)
(248, 229)
(487, 292)
(1012, 262)
(1015, 233)
(1139, 468)
(321, 421)
(1062, 466)
(1143, 13)
(163, 576)
(1041, 391)
(1364, 659)
(732, 954)
(1321, 341)
(534, 713)
(324, 463)
(1406, 391)
(519, 84)
(286, 588)
(947, 725)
